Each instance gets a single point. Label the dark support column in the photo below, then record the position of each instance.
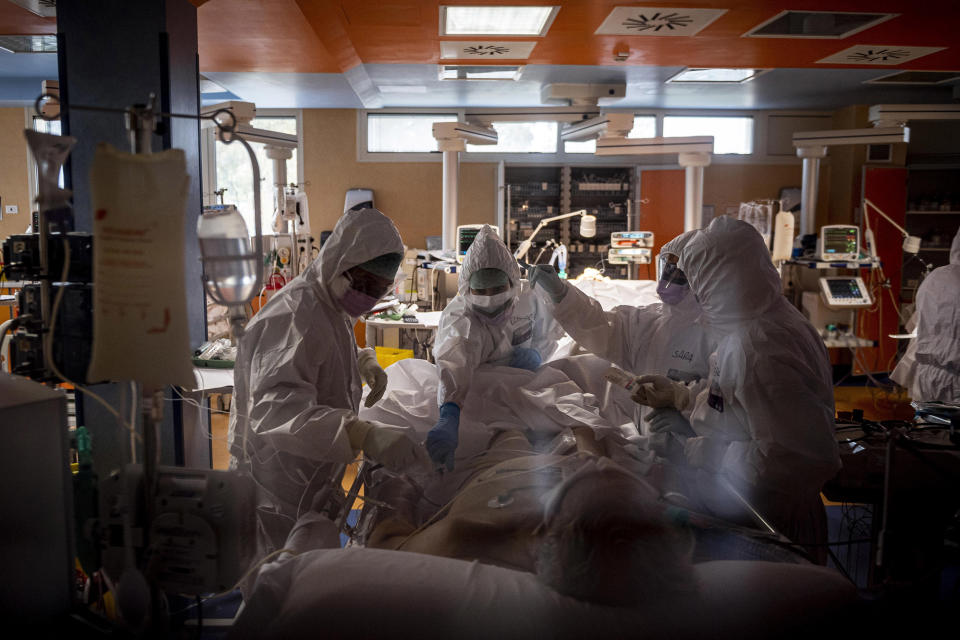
(115, 53)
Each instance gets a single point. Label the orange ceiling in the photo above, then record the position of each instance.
(331, 36)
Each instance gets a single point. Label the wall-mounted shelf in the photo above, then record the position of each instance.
(933, 213)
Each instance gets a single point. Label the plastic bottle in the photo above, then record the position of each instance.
(783, 236)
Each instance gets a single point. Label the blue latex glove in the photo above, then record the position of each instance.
(669, 420)
(442, 439)
(524, 358)
(545, 276)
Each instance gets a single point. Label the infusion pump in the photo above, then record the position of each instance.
(631, 247)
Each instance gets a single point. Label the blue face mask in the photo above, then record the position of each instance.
(672, 293)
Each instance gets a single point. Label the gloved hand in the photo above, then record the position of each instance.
(442, 439)
(373, 375)
(660, 391)
(705, 453)
(546, 277)
(667, 445)
(525, 358)
(668, 419)
(394, 448)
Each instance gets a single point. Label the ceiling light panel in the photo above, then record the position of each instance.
(878, 54)
(715, 76)
(817, 24)
(496, 20)
(504, 50)
(29, 44)
(657, 21)
(916, 77)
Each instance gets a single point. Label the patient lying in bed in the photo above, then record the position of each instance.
(563, 544)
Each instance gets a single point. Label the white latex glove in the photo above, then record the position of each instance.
(660, 391)
(394, 448)
(705, 453)
(373, 375)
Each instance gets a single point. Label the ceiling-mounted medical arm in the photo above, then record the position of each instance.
(524, 247)
(812, 148)
(694, 153)
(452, 138)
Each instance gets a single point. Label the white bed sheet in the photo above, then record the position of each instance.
(375, 593)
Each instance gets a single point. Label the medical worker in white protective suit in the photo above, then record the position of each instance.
(666, 338)
(766, 419)
(297, 380)
(930, 370)
(493, 320)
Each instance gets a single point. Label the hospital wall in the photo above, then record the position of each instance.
(410, 192)
(14, 175)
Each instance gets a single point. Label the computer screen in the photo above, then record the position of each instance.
(844, 288)
(841, 240)
(467, 236)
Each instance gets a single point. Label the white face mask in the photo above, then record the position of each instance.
(488, 302)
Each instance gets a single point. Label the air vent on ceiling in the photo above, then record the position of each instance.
(479, 72)
(43, 8)
(878, 54)
(657, 21)
(506, 50)
(29, 44)
(916, 77)
(817, 24)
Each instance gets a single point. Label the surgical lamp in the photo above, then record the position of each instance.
(588, 229)
(911, 244)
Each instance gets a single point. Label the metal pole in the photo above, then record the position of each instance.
(451, 180)
(811, 180)
(693, 188)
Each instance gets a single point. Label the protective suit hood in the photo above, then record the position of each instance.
(955, 249)
(676, 245)
(688, 307)
(488, 251)
(358, 236)
(730, 271)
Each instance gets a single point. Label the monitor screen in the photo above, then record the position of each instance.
(844, 288)
(467, 236)
(840, 240)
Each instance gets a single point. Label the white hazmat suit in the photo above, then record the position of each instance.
(930, 369)
(297, 385)
(465, 340)
(766, 420)
(667, 339)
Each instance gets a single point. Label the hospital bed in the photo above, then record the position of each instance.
(356, 592)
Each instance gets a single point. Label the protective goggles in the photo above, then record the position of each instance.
(670, 273)
(369, 283)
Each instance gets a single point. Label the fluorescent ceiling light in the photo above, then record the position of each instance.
(479, 72)
(493, 20)
(716, 75)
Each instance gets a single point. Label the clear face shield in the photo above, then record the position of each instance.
(672, 286)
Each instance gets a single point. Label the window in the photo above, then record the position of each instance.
(235, 174)
(731, 134)
(643, 127)
(403, 132)
(45, 126)
(521, 137)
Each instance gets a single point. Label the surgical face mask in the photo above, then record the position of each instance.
(672, 293)
(491, 309)
(356, 303)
